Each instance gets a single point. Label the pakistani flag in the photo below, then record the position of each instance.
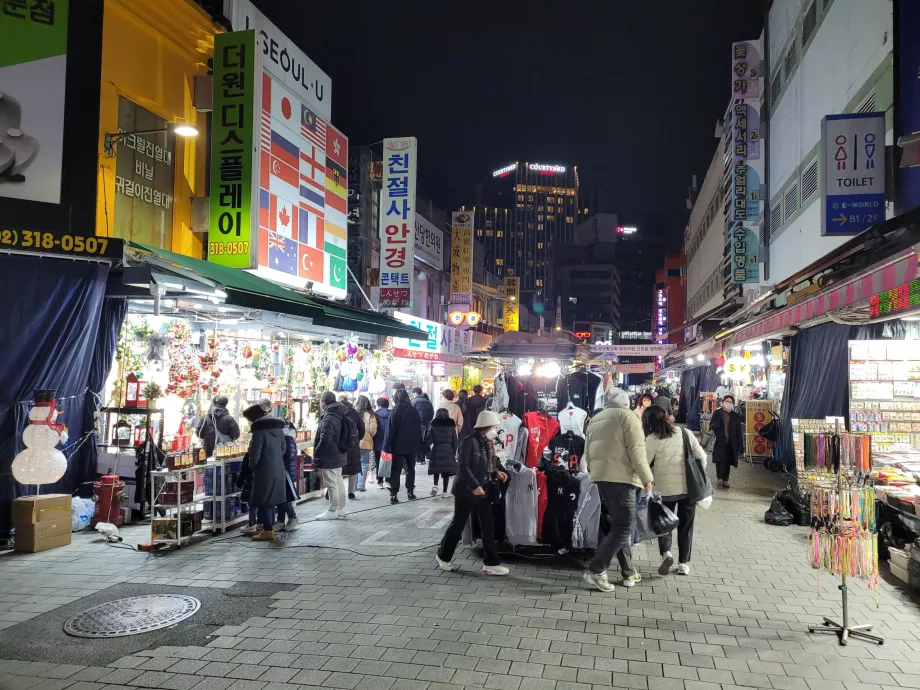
(338, 272)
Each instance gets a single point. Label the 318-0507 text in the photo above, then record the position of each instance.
(33, 239)
(228, 248)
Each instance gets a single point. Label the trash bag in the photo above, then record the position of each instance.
(798, 503)
(777, 515)
(913, 567)
(81, 512)
(657, 520)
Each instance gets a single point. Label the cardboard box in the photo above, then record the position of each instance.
(29, 510)
(41, 536)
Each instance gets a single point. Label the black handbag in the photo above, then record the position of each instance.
(698, 484)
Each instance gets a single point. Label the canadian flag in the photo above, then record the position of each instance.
(283, 217)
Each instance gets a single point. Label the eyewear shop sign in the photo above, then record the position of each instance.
(853, 154)
(444, 343)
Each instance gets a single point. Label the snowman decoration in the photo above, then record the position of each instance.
(41, 462)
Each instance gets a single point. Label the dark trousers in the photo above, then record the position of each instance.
(445, 477)
(724, 468)
(266, 516)
(462, 510)
(620, 500)
(401, 462)
(685, 511)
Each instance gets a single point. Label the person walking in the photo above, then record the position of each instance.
(643, 402)
(663, 400)
(266, 462)
(287, 516)
(664, 448)
(479, 475)
(615, 457)
(382, 414)
(474, 405)
(218, 425)
(425, 410)
(330, 453)
(441, 445)
(366, 446)
(725, 426)
(404, 442)
(463, 398)
(453, 409)
(352, 469)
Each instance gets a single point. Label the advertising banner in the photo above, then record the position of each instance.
(757, 414)
(33, 67)
(230, 227)
(646, 368)
(746, 75)
(461, 259)
(444, 343)
(397, 222)
(429, 243)
(744, 247)
(512, 306)
(633, 350)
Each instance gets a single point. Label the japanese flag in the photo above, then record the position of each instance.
(285, 110)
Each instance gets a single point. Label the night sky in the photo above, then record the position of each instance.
(627, 90)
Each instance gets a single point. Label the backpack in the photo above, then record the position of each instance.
(348, 435)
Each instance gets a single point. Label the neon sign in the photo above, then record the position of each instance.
(501, 172)
(625, 230)
(546, 169)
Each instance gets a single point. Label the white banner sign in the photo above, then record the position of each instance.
(429, 243)
(632, 350)
(397, 222)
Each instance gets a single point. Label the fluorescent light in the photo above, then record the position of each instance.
(910, 318)
(701, 357)
(689, 360)
(229, 322)
(186, 130)
(174, 286)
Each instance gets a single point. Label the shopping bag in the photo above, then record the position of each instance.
(385, 466)
(705, 503)
(661, 519)
(698, 484)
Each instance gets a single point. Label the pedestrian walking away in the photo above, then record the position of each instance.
(363, 406)
(441, 446)
(725, 426)
(615, 457)
(425, 410)
(330, 451)
(476, 488)
(218, 425)
(404, 442)
(266, 462)
(382, 413)
(287, 516)
(352, 469)
(453, 409)
(475, 404)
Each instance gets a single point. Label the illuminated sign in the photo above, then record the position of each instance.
(625, 229)
(897, 300)
(501, 172)
(546, 169)
(582, 335)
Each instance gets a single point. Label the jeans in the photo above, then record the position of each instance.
(365, 466)
(462, 509)
(685, 511)
(620, 500)
(266, 516)
(401, 462)
(332, 479)
(445, 477)
(286, 510)
(352, 483)
(253, 516)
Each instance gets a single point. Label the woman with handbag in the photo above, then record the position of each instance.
(669, 449)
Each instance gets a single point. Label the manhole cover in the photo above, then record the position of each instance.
(132, 616)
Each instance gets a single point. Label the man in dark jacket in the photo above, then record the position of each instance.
(404, 442)
(383, 421)
(475, 404)
(328, 454)
(266, 453)
(353, 456)
(216, 422)
(425, 410)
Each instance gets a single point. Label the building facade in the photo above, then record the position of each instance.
(669, 299)
(587, 279)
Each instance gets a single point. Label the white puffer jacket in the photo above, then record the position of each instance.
(666, 457)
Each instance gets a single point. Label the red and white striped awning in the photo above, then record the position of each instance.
(892, 273)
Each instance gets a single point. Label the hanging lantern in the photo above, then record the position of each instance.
(133, 390)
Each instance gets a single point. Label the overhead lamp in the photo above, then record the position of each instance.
(689, 360)
(701, 357)
(910, 318)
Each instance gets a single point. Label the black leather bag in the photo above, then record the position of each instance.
(698, 484)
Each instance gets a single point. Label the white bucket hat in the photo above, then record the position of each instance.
(487, 418)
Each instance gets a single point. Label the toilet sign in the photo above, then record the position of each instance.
(853, 162)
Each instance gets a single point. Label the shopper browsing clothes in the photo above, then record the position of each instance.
(725, 426)
(266, 453)
(615, 456)
(404, 442)
(475, 489)
(363, 406)
(218, 425)
(330, 449)
(664, 448)
(425, 410)
(441, 446)
(383, 421)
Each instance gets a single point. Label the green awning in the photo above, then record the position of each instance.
(252, 292)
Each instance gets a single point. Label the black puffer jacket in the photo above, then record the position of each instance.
(353, 456)
(473, 466)
(326, 453)
(266, 460)
(226, 425)
(441, 443)
(474, 405)
(404, 431)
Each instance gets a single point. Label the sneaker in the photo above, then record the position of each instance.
(598, 581)
(434, 491)
(278, 526)
(718, 483)
(667, 560)
(394, 500)
(328, 515)
(362, 489)
(291, 525)
(725, 485)
(444, 565)
(411, 495)
(264, 535)
(499, 570)
(632, 580)
(342, 514)
(351, 497)
(249, 530)
(683, 568)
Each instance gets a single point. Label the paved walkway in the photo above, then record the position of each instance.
(375, 614)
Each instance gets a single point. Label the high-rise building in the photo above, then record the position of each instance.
(669, 300)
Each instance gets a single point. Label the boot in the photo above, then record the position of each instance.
(264, 535)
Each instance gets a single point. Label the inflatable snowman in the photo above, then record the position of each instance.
(41, 462)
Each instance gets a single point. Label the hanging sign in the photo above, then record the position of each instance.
(513, 304)
(633, 350)
(737, 368)
(397, 222)
(461, 258)
(647, 368)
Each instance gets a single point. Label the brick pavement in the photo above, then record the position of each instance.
(380, 615)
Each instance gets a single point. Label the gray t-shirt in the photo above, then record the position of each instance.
(521, 505)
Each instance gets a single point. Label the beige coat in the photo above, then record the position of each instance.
(666, 458)
(370, 429)
(615, 448)
(455, 413)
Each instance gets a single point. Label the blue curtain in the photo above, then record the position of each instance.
(694, 381)
(47, 338)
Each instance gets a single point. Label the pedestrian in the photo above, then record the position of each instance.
(725, 426)
(244, 484)
(352, 469)
(479, 477)
(664, 448)
(266, 462)
(475, 405)
(615, 456)
(218, 425)
(404, 442)
(287, 516)
(425, 410)
(463, 397)
(441, 445)
(453, 409)
(663, 400)
(363, 406)
(382, 414)
(643, 402)
(330, 452)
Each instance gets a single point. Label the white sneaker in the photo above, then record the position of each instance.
(598, 581)
(291, 525)
(494, 570)
(444, 565)
(328, 515)
(342, 515)
(278, 526)
(683, 568)
(434, 491)
(667, 560)
(632, 580)
(249, 530)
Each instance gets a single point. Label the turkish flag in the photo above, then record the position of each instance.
(311, 263)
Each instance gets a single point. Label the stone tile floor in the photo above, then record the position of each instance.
(374, 613)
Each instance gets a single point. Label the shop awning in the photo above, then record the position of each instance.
(709, 348)
(894, 272)
(251, 292)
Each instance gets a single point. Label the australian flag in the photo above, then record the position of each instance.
(282, 253)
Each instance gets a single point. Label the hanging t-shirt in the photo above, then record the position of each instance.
(506, 439)
(586, 528)
(572, 389)
(562, 491)
(542, 500)
(521, 505)
(541, 428)
(570, 448)
(572, 419)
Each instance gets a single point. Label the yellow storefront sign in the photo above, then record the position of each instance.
(512, 305)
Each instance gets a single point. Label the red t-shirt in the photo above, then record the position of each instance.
(541, 428)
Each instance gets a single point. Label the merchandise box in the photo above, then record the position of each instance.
(41, 536)
(29, 510)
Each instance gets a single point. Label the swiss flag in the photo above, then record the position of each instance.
(310, 265)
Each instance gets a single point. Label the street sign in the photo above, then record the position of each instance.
(853, 158)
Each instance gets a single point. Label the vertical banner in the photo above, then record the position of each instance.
(231, 172)
(461, 259)
(397, 222)
(513, 304)
(758, 413)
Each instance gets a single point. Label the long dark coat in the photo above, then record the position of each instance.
(266, 460)
(735, 436)
(441, 443)
(353, 456)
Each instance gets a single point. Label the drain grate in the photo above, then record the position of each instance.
(133, 616)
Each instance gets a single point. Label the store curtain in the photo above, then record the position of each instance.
(689, 391)
(47, 338)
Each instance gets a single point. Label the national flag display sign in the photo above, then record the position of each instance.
(303, 194)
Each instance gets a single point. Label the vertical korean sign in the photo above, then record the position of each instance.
(461, 259)
(746, 207)
(231, 172)
(512, 305)
(397, 222)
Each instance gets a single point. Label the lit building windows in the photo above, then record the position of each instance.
(479, 233)
(538, 283)
(520, 197)
(499, 262)
(539, 245)
(569, 219)
(539, 226)
(499, 233)
(540, 217)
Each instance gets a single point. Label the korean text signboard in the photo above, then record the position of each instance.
(429, 243)
(230, 227)
(461, 259)
(397, 222)
(746, 76)
(633, 350)
(744, 244)
(853, 158)
(443, 344)
(512, 305)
